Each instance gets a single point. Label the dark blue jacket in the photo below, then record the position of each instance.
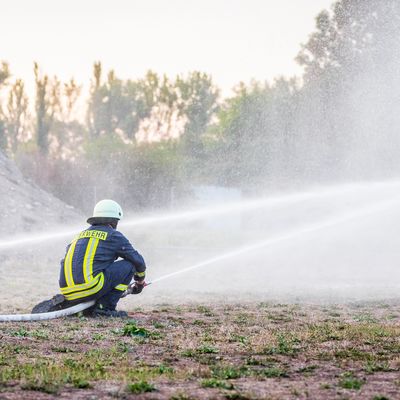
(92, 251)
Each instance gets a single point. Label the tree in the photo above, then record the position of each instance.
(254, 136)
(198, 104)
(16, 116)
(162, 119)
(44, 113)
(350, 94)
(4, 75)
(118, 107)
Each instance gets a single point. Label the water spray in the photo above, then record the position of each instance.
(362, 212)
(190, 215)
(288, 236)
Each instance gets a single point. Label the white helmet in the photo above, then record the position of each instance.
(106, 209)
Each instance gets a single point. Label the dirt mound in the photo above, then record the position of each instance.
(26, 207)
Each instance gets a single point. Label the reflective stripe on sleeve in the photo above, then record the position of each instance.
(121, 287)
(140, 274)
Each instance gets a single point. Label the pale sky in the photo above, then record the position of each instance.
(233, 40)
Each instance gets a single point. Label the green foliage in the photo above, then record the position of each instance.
(216, 383)
(348, 381)
(207, 350)
(44, 114)
(286, 345)
(81, 383)
(21, 332)
(274, 372)
(148, 140)
(198, 104)
(40, 386)
(131, 329)
(118, 106)
(140, 387)
(229, 372)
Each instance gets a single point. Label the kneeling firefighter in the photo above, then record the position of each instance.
(89, 270)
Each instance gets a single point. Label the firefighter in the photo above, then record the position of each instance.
(91, 270)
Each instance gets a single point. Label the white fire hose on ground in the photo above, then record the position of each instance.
(42, 316)
(48, 315)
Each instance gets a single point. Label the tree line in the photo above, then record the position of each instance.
(145, 142)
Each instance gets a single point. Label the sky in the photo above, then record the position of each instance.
(233, 40)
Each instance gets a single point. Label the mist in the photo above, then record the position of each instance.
(287, 191)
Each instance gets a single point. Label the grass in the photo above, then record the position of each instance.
(131, 329)
(222, 352)
(140, 387)
(216, 383)
(349, 381)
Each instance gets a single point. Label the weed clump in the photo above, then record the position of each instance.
(40, 386)
(80, 383)
(216, 383)
(348, 381)
(140, 387)
(229, 372)
(207, 350)
(285, 346)
(131, 329)
(274, 372)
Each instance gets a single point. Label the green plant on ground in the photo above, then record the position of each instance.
(131, 329)
(216, 383)
(21, 332)
(140, 387)
(373, 366)
(207, 350)
(205, 311)
(349, 381)
(285, 345)
(163, 369)
(40, 386)
(229, 372)
(307, 369)
(274, 372)
(80, 383)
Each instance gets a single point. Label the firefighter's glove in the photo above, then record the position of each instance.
(138, 287)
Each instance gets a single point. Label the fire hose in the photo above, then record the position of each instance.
(58, 313)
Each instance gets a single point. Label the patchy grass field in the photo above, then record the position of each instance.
(252, 351)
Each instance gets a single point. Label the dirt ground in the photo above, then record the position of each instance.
(226, 351)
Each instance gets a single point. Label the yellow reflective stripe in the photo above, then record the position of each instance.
(82, 286)
(121, 287)
(96, 243)
(140, 274)
(89, 292)
(88, 259)
(68, 264)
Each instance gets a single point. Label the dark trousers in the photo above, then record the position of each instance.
(120, 272)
